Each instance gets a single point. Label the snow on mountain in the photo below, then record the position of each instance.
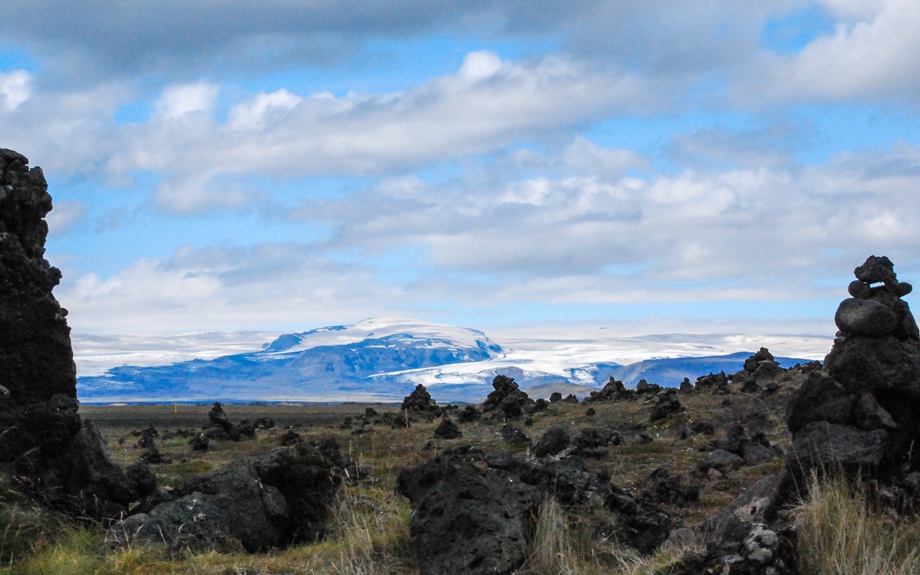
(384, 358)
(391, 329)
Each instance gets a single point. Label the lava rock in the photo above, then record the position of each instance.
(865, 317)
(447, 430)
(469, 521)
(554, 440)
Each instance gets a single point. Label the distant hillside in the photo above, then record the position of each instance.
(380, 360)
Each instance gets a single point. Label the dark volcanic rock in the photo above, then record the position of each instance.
(308, 477)
(827, 448)
(35, 349)
(866, 317)
(419, 400)
(554, 440)
(469, 521)
(868, 402)
(507, 399)
(43, 437)
(192, 523)
(667, 404)
(667, 488)
(819, 399)
(253, 504)
(256, 514)
(447, 429)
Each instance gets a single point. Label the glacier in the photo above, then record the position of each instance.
(383, 359)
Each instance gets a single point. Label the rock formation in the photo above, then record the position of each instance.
(860, 417)
(252, 504)
(42, 439)
(499, 497)
(864, 412)
(507, 400)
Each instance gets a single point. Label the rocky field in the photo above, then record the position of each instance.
(766, 471)
(673, 463)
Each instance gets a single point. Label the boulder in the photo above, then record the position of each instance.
(865, 317)
(447, 429)
(554, 440)
(466, 520)
(309, 477)
(191, 523)
(255, 513)
(827, 447)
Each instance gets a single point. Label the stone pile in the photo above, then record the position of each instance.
(507, 400)
(613, 390)
(43, 440)
(863, 413)
(860, 417)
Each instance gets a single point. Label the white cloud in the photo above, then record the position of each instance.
(262, 110)
(203, 289)
(15, 88)
(486, 106)
(606, 163)
(182, 100)
(64, 216)
(480, 65)
(867, 57)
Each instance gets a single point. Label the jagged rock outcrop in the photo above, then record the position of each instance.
(252, 504)
(473, 513)
(42, 438)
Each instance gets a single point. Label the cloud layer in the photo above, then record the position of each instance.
(220, 167)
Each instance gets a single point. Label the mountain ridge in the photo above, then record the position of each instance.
(379, 359)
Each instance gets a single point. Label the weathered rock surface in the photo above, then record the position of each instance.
(254, 504)
(191, 523)
(466, 520)
(507, 399)
(864, 412)
(43, 438)
(35, 349)
(554, 440)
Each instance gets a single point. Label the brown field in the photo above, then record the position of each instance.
(183, 416)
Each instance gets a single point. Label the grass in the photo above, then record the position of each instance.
(370, 524)
(840, 532)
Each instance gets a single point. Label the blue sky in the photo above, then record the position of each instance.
(719, 165)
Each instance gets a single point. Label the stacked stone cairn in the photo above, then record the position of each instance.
(44, 443)
(863, 413)
(859, 418)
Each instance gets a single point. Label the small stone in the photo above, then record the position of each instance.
(865, 317)
(859, 290)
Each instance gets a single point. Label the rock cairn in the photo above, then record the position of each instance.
(43, 441)
(863, 413)
(859, 417)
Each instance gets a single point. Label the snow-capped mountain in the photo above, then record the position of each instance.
(383, 359)
(325, 364)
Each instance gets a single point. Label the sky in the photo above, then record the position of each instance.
(717, 165)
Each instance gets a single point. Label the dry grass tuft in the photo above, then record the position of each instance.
(839, 532)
